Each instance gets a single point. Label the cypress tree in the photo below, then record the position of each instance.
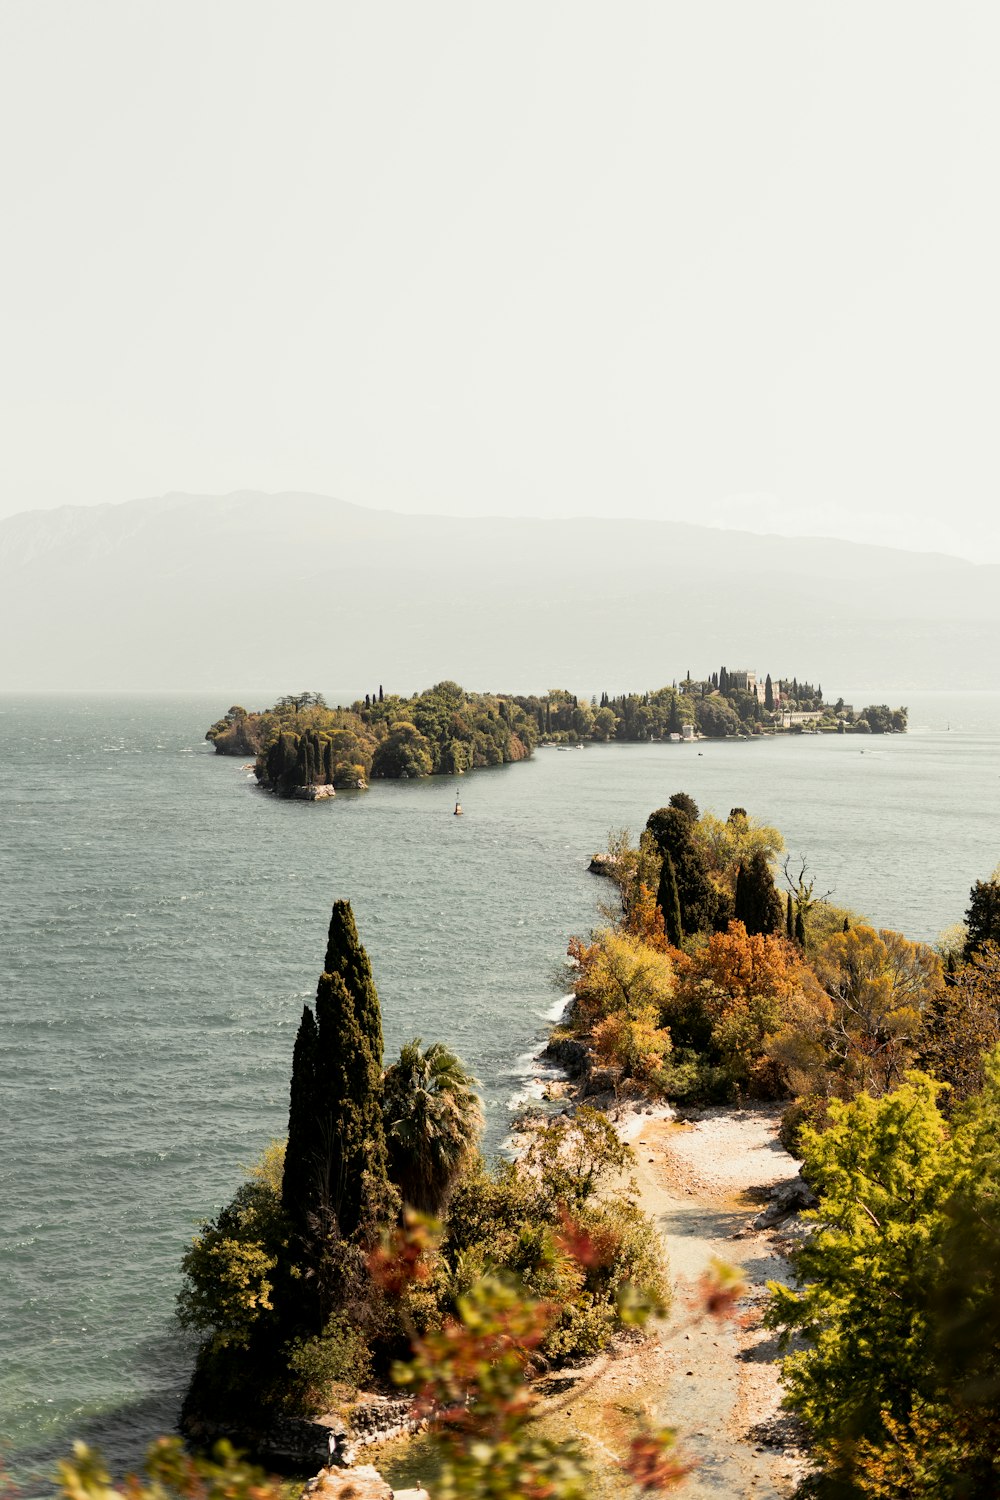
(789, 919)
(351, 1143)
(335, 1161)
(296, 1184)
(757, 904)
(982, 917)
(346, 956)
(380, 696)
(700, 906)
(741, 898)
(800, 928)
(669, 902)
(768, 692)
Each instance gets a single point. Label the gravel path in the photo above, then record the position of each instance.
(717, 1383)
(702, 1183)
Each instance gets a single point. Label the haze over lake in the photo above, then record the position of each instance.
(165, 921)
(229, 592)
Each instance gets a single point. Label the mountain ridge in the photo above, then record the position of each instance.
(180, 499)
(186, 591)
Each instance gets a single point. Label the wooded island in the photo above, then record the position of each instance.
(303, 746)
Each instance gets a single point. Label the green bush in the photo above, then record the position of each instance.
(338, 1357)
(563, 1227)
(811, 1112)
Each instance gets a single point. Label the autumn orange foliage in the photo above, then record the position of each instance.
(644, 921)
(754, 1007)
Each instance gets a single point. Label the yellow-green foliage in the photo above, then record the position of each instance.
(230, 1269)
(619, 974)
(726, 845)
(898, 1301)
(882, 987)
(172, 1474)
(512, 1220)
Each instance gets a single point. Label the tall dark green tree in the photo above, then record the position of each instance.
(756, 903)
(685, 804)
(669, 902)
(301, 1154)
(346, 956)
(789, 918)
(982, 919)
(702, 907)
(335, 1163)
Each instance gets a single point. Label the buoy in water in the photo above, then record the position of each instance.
(458, 809)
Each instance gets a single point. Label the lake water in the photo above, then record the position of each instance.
(164, 921)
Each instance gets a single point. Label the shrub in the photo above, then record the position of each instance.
(812, 1112)
(338, 1357)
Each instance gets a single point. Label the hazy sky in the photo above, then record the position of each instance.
(731, 262)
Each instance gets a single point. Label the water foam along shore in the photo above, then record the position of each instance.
(540, 1078)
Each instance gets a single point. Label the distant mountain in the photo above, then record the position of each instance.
(246, 592)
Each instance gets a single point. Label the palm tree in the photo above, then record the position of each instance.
(433, 1120)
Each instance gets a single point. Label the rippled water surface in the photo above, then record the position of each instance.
(163, 922)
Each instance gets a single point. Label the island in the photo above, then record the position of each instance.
(303, 747)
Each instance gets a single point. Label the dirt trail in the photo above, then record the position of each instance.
(716, 1383)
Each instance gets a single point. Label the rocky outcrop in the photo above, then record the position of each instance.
(579, 1064)
(788, 1198)
(601, 1080)
(315, 792)
(378, 1418)
(291, 1444)
(362, 1483)
(297, 1444)
(603, 864)
(570, 1054)
(235, 734)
